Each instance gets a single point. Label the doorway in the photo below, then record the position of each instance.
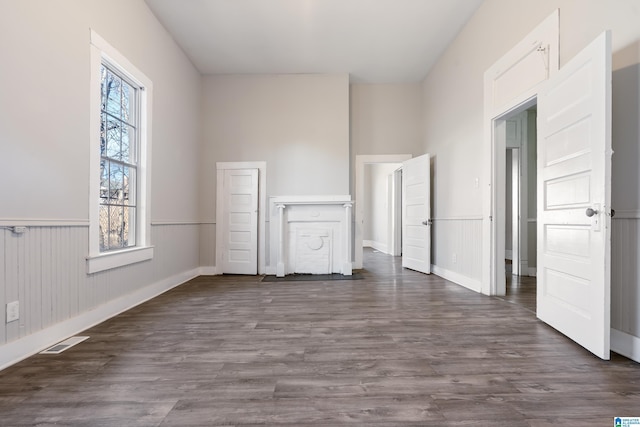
(362, 162)
(382, 220)
(573, 189)
(520, 207)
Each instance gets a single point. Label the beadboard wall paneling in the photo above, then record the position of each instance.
(625, 275)
(457, 252)
(45, 270)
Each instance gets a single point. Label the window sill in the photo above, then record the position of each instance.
(117, 259)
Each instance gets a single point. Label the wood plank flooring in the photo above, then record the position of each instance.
(396, 348)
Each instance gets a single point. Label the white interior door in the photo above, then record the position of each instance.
(240, 216)
(574, 193)
(416, 214)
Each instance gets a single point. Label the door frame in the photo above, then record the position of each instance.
(516, 214)
(394, 226)
(262, 209)
(361, 161)
(509, 88)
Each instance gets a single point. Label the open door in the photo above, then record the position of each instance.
(240, 222)
(416, 212)
(574, 196)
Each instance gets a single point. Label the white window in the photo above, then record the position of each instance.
(119, 155)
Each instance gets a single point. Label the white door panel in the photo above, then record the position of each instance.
(574, 174)
(240, 215)
(416, 212)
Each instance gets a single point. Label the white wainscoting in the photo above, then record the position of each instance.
(625, 284)
(45, 270)
(456, 245)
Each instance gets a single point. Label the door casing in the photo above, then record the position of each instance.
(502, 101)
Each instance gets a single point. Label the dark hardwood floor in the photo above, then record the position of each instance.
(521, 290)
(395, 348)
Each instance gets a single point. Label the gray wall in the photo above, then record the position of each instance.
(297, 124)
(453, 127)
(44, 117)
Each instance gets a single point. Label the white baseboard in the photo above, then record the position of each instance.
(15, 351)
(625, 344)
(208, 271)
(378, 246)
(457, 278)
(367, 243)
(532, 271)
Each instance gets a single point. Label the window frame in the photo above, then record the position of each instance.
(101, 51)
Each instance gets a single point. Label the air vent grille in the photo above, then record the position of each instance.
(64, 345)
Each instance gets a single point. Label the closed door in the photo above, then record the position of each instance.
(240, 221)
(574, 194)
(416, 212)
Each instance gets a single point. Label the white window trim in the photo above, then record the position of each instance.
(100, 261)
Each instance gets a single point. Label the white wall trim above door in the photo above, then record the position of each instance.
(262, 209)
(510, 85)
(361, 161)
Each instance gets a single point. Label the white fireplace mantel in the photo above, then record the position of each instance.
(313, 234)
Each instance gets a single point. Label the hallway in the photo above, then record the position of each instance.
(393, 348)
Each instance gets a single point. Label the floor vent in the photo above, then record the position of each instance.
(64, 345)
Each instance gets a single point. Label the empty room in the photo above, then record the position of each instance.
(319, 212)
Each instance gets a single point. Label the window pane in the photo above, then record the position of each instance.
(104, 181)
(129, 233)
(116, 227)
(103, 135)
(112, 87)
(103, 227)
(116, 184)
(114, 136)
(128, 103)
(103, 86)
(131, 186)
(125, 185)
(128, 144)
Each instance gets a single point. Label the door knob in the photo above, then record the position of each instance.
(591, 212)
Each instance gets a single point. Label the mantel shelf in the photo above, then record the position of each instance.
(311, 200)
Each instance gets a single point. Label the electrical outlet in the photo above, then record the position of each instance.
(454, 258)
(13, 311)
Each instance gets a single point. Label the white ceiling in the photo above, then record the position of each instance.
(375, 41)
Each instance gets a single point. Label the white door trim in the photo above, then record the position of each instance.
(361, 161)
(541, 46)
(262, 209)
